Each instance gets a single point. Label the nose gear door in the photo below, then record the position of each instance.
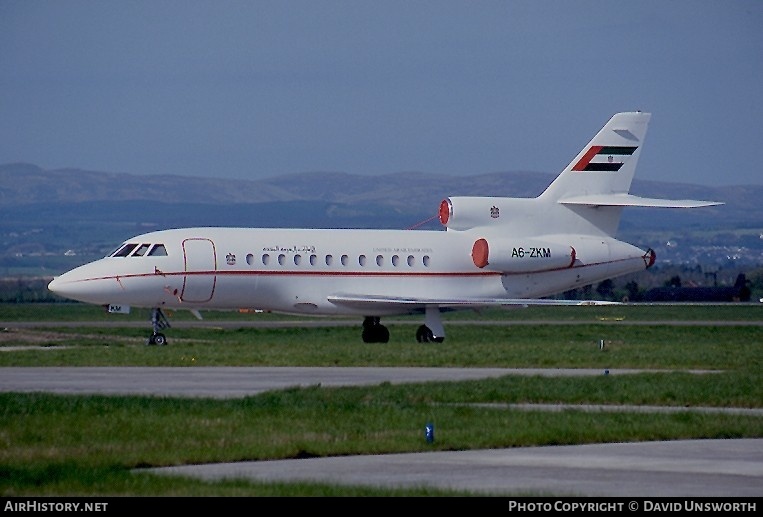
(200, 270)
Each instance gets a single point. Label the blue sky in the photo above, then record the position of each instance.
(255, 89)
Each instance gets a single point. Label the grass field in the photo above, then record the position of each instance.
(88, 445)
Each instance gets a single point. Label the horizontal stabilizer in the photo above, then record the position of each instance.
(630, 200)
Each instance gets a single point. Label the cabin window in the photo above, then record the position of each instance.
(158, 251)
(379, 260)
(329, 260)
(297, 260)
(125, 250)
(395, 260)
(362, 260)
(425, 260)
(345, 259)
(313, 260)
(266, 259)
(411, 260)
(142, 249)
(282, 259)
(250, 259)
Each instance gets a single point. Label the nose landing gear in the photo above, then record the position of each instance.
(159, 322)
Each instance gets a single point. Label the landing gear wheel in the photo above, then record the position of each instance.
(424, 335)
(373, 331)
(157, 339)
(382, 334)
(377, 334)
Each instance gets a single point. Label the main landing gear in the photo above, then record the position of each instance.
(431, 332)
(373, 331)
(159, 322)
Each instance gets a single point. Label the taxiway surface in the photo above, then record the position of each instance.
(694, 468)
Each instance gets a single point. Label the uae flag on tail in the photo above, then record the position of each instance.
(604, 158)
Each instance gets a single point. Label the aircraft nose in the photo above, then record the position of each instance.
(90, 283)
(73, 285)
(59, 286)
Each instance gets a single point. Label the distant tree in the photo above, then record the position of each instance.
(633, 290)
(605, 289)
(572, 294)
(756, 283)
(743, 288)
(26, 290)
(675, 281)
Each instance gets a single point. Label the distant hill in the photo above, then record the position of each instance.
(45, 213)
(410, 194)
(25, 184)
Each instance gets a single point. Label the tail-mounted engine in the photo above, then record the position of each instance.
(522, 256)
(463, 213)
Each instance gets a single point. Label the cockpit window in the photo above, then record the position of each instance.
(142, 249)
(158, 251)
(124, 250)
(139, 250)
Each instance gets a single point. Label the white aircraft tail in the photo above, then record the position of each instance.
(595, 185)
(606, 165)
(587, 198)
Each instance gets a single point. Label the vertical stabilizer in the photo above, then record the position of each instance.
(604, 168)
(607, 164)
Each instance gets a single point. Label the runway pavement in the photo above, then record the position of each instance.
(696, 468)
(226, 382)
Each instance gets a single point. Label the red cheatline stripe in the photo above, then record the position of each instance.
(587, 157)
(481, 273)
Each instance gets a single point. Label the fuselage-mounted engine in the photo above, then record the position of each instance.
(524, 256)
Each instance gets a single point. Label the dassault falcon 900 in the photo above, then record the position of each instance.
(494, 251)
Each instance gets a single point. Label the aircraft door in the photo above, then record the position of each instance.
(200, 270)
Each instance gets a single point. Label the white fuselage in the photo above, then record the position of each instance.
(299, 270)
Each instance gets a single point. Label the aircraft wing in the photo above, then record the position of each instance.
(361, 301)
